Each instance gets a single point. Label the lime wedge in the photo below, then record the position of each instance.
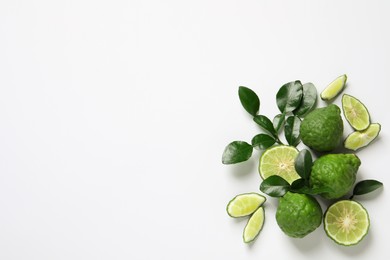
(334, 88)
(346, 222)
(360, 139)
(254, 225)
(279, 160)
(244, 204)
(355, 112)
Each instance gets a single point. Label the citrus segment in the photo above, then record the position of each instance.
(355, 112)
(346, 222)
(360, 139)
(244, 204)
(334, 88)
(279, 160)
(254, 225)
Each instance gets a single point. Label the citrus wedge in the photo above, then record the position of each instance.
(360, 139)
(254, 225)
(279, 160)
(355, 112)
(346, 222)
(244, 204)
(334, 88)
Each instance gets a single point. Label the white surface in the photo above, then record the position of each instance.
(114, 116)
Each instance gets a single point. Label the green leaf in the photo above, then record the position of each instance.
(291, 130)
(366, 186)
(289, 96)
(303, 164)
(309, 99)
(265, 123)
(249, 100)
(278, 121)
(237, 151)
(275, 186)
(263, 141)
(298, 184)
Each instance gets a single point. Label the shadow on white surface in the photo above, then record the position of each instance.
(244, 168)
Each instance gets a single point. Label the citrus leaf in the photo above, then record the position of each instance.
(291, 130)
(237, 151)
(366, 186)
(249, 100)
(297, 184)
(275, 186)
(289, 96)
(278, 121)
(263, 141)
(265, 123)
(303, 164)
(309, 99)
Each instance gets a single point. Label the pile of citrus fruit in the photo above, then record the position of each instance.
(292, 176)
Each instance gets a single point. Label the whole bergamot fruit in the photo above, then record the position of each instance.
(322, 129)
(298, 214)
(336, 172)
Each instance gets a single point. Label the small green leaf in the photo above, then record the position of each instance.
(275, 186)
(366, 186)
(278, 121)
(291, 130)
(289, 96)
(263, 141)
(249, 100)
(309, 99)
(298, 184)
(265, 123)
(303, 164)
(237, 151)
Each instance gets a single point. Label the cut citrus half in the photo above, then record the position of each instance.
(254, 225)
(279, 160)
(244, 204)
(334, 88)
(346, 222)
(360, 139)
(355, 112)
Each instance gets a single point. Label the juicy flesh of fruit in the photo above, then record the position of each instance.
(279, 160)
(334, 88)
(355, 113)
(346, 222)
(244, 204)
(254, 225)
(359, 139)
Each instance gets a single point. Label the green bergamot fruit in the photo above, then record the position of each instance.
(298, 214)
(335, 172)
(322, 129)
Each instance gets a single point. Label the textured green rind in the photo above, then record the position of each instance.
(322, 129)
(298, 214)
(336, 172)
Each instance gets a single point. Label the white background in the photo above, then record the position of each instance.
(114, 116)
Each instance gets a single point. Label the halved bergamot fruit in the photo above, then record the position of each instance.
(334, 88)
(355, 112)
(360, 139)
(254, 225)
(244, 204)
(279, 160)
(346, 222)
